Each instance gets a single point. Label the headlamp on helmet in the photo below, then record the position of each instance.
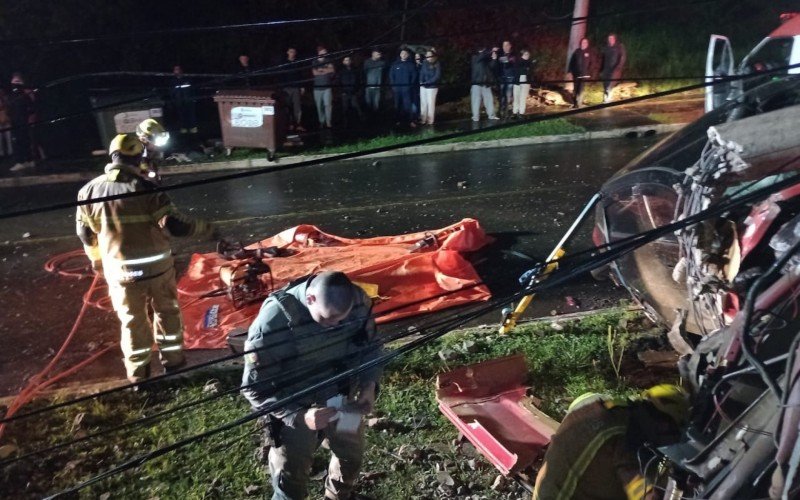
(152, 132)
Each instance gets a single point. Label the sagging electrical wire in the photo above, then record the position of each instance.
(382, 360)
(215, 361)
(42, 41)
(555, 279)
(298, 374)
(666, 230)
(294, 64)
(354, 154)
(255, 26)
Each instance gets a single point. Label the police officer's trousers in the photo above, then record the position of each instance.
(132, 303)
(290, 464)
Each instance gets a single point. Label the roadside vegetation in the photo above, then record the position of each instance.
(558, 126)
(411, 448)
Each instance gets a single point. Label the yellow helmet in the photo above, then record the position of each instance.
(126, 145)
(150, 131)
(669, 399)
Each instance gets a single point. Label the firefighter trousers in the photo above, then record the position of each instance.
(133, 303)
(290, 464)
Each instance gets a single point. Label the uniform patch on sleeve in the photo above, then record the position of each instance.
(250, 357)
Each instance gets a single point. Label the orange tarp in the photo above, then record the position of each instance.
(410, 280)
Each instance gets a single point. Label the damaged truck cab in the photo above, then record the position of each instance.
(779, 50)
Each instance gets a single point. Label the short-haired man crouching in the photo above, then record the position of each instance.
(305, 333)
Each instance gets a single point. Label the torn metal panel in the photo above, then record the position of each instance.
(488, 404)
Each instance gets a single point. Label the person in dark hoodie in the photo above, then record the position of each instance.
(323, 72)
(580, 66)
(506, 75)
(350, 84)
(614, 57)
(482, 77)
(374, 69)
(403, 78)
(294, 89)
(430, 74)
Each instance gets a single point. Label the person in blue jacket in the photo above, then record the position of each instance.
(403, 78)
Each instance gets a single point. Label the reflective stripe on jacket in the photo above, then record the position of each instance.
(588, 458)
(127, 233)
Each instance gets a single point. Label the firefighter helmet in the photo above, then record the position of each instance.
(152, 132)
(126, 145)
(669, 399)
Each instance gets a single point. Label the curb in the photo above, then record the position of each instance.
(247, 164)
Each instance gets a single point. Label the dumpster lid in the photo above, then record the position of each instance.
(224, 95)
(488, 403)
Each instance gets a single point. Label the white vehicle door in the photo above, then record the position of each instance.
(719, 63)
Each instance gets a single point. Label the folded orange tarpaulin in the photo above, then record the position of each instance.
(432, 277)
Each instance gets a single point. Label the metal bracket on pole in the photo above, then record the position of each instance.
(510, 317)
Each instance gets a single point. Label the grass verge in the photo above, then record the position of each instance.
(410, 456)
(558, 126)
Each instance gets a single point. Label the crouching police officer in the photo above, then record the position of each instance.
(593, 455)
(128, 239)
(305, 333)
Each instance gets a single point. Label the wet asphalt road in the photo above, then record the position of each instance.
(527, 196)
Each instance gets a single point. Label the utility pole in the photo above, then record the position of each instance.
(403, 25)
(578, 30)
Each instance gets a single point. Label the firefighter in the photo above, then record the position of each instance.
(154, 138)
(128, 239)
(595, 454)
(308, 331)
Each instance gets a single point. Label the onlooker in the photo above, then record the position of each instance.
(22, 114)
(430, 74)
(243, 68)
(614, 57)
(402, 77)
(350, 83)
(522, 82)
(415, 106)
(323, 72)
(580, 66)
(482, 78)
(374, 69)
(5, 123)
(183, 101)
(320, 325)
(505, 76)
(294, 90)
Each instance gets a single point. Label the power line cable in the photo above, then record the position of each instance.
(357, 154)
(254, 26)
(278, 68)
(215, 361)
(138, 461)
(555, 279)
(566, 259)
(239, 27)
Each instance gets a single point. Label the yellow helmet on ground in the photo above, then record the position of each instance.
(150, 131)
(671, 400)
(126, 145)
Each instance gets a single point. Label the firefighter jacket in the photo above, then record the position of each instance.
(589, 457)
(130, 235)
(293, 352)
